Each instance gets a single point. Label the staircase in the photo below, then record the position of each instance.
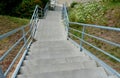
(53, 56)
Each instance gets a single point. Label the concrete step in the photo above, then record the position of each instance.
(77, 73)
(112, 76)
(51, 44)
(21, 76)
(58, 60)
(54, 52)
(41, 68)
(53, 56)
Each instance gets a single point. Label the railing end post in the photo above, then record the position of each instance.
(81, 49)
(1, 73)
(67, 38)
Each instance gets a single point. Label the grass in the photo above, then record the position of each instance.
(101, 13)
(110, 5)
(8, 23)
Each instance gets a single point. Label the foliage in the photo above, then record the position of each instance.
(87, 13)
(73, 4)
(111, 0)
(101, 13)
(20, 8)
(6, 6)
(25, 9)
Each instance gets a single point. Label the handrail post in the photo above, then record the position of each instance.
(24, 35)
(45, 10)
(67, 22)
(37, 13)
(82, 37)
(66, 19)
(63, 11)
(1, 73)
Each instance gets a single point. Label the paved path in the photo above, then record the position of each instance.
(53, 56)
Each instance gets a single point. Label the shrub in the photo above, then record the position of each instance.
(73, 4)
(87, 13)
(6, 6)
(20, 8)
(25, 9)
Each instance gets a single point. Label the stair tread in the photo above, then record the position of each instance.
(113, 76)
(77, 73)
(57, 67)
(53, 56)
(59, 60)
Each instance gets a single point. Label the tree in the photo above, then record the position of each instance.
(20, 8)
(6, 6)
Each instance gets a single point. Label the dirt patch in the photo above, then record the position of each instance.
(113, 17)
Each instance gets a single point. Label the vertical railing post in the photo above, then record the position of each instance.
(35, 26)
(37, 15)
(1, 73)
(82, 37)
(42, 13)
(66, 21)
(31, 27)
(24, 35)
(63, 12)
(45, 10)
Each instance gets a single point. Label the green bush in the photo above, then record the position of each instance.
(20, 8)
(87, 13)
(73, 4)
(25, 9)
(6, 6)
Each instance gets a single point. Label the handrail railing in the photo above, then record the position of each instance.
(67, 24)
(38, 12)
(45, 10)
(32, 30)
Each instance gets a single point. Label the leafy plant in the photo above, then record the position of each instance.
(73, 4)
(20, 8)
(87, 13)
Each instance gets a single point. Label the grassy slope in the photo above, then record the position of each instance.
(8, 23)
(111, 17)
(112, 14)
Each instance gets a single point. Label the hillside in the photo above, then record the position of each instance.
(99, 13)
(8, 23)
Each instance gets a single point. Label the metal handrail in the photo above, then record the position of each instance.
(45, 10)
(82, 40)
(107, 41)
(33, 26)
(11, 32)
(96, 26)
